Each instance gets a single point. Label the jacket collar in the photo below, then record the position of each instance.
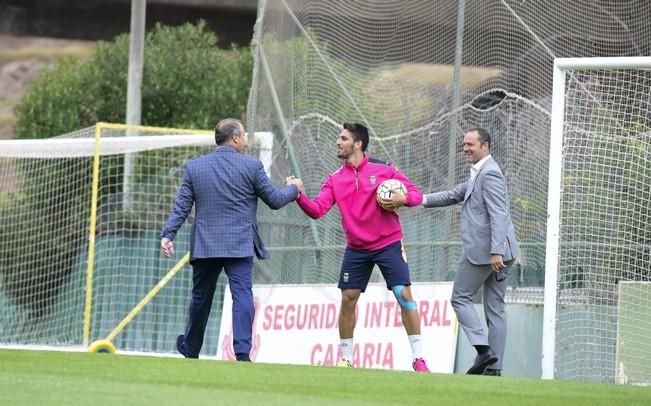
(360, 166)
(480, 164)
(225, 148)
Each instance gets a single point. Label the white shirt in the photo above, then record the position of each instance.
(474, 170)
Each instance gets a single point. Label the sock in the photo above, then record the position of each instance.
(347, 348)
(416, 346)
(481, 348)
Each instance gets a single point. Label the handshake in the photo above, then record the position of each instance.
(291, 180)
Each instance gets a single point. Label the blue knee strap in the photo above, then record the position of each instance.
(397, 291)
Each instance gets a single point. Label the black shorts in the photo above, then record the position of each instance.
(357, 266)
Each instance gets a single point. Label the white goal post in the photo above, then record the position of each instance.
(596, 235)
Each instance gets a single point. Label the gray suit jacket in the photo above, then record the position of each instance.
(224, 187)
(486, 226)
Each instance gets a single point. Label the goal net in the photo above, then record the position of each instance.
(71, 228)
(391, 66)
(417, 73)
(599, 241)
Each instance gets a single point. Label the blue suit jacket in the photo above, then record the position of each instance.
(224, 187)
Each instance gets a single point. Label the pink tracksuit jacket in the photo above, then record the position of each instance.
(366, 224)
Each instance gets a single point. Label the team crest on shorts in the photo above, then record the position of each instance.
(372, 179)
(345, 277)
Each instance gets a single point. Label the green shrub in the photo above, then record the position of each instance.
(187, 83)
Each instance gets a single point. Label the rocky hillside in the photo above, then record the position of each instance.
(20, 60)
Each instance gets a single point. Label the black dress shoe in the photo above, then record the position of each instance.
(242, 357)
(180, 347)
(492, 372)
(481, 362)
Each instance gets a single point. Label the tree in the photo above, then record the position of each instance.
(188, 82)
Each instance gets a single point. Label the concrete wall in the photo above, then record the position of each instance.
(523, 353)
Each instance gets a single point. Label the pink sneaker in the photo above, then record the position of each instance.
(420, 365)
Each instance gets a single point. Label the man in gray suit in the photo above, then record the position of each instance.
(224, 187)
(489, 250)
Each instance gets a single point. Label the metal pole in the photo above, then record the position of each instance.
(134, 95)
(453, 145)
(283, 127)
(456, 91)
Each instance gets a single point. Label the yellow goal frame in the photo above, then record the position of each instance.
(99, 127)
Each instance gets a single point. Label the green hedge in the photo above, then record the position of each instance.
(188, 82)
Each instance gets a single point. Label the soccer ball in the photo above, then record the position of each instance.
(387, 188)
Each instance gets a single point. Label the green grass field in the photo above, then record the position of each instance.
(60, 378)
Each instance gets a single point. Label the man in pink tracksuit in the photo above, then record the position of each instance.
(373, 234)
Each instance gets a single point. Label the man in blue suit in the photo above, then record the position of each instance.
(224, 187)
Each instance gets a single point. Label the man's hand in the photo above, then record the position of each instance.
(396, 201)
(496, 263)
(291, 180)
(167, 246)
